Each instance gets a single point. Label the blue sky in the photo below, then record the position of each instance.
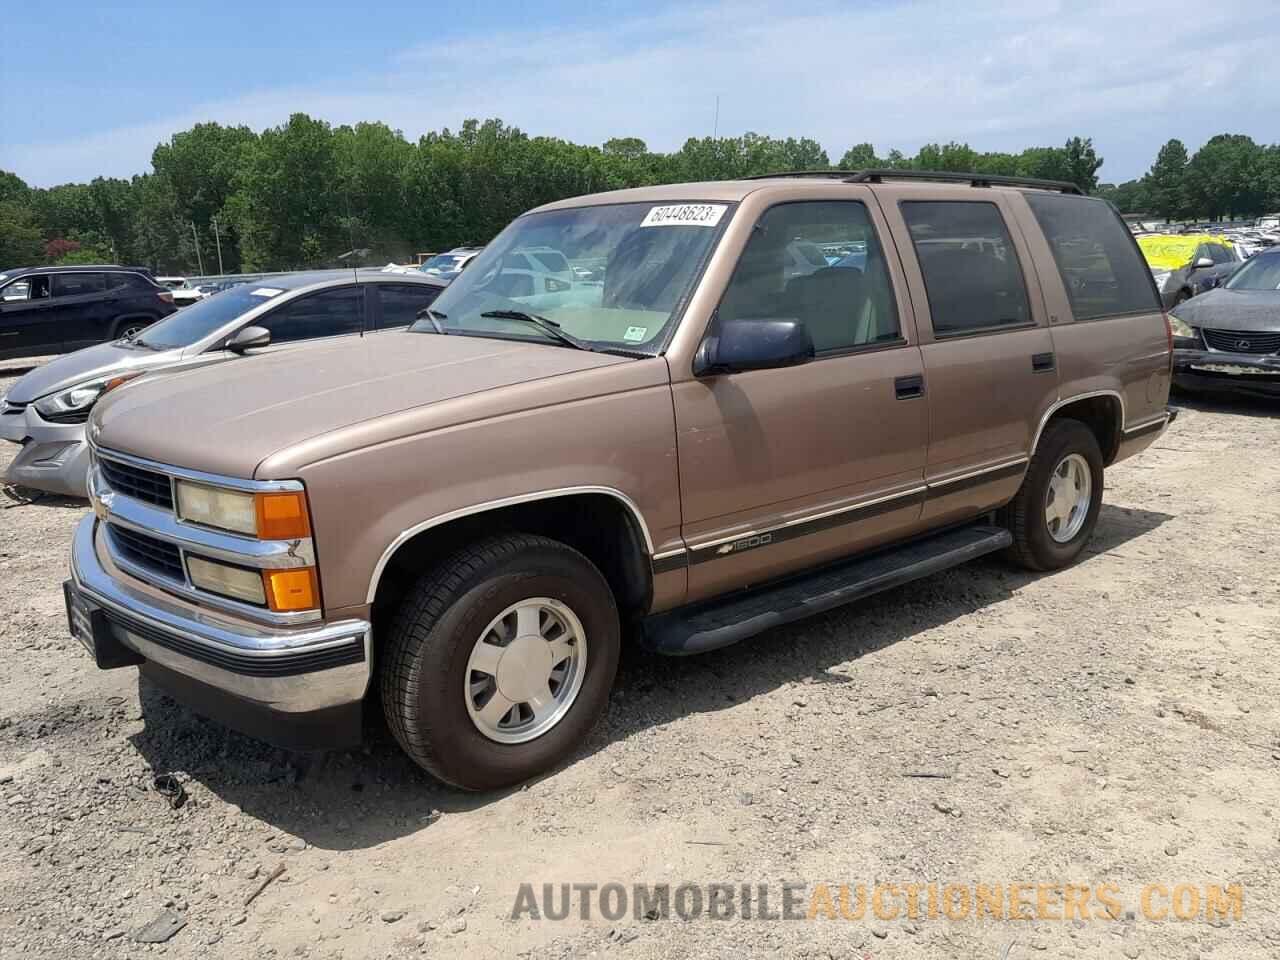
(106, 82)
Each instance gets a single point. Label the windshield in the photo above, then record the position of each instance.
(641, 260)
(1260, 273)
(443, 263)
(203, 317)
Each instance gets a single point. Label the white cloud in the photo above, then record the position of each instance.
(997, 75)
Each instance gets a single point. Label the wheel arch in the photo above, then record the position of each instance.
(1102, 411)
(602, 523)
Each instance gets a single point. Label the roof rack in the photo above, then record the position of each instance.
(944, 176)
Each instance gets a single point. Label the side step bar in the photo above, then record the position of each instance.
(718, 623)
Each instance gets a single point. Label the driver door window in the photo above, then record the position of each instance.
(330, 313)
(820, 263)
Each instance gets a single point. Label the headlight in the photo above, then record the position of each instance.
(1181, 328)
(268, 516)
(1161, 279)
(217, 507)
(222, 578)
(80, 398)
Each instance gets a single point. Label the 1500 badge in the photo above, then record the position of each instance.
(747, 543)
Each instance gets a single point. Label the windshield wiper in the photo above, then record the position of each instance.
(549, 327)
(435, 316)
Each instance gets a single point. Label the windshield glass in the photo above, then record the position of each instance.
(443, 263)
(632, 265)
(1260, 273)
(197, 321)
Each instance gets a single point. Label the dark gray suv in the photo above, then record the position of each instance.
(56, 309)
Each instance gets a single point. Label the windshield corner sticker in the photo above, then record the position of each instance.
(635, 334)
(265, 292)
(684, 215)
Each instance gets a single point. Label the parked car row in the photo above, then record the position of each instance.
(728, 427)
(45, 412)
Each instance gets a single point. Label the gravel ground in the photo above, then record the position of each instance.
(1113, 722)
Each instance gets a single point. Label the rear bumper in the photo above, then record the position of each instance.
(54, 456)
(300, 688)
(1212, 370)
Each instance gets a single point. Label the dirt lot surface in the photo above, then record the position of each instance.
(1116, 722)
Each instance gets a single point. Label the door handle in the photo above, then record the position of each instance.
(1042, 362)
(909, 388)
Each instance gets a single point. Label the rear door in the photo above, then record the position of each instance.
(990, 370)
(29, 318)
(398, 304)
(84, 314)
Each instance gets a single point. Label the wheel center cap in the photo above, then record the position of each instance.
(524, 668)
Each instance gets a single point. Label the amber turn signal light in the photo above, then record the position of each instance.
(292, 589)
(282, 516)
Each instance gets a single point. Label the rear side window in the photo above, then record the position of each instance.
(76, 284)
(326, 314)
(553, 261)
(401, 302)
(971, 271)
(1101, 267)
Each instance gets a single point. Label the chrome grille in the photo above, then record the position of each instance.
(145, 485)
(1242, 341)
(158, 556)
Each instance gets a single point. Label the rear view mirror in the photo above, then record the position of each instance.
(1202, 263)
(247, 338)
(764, 344)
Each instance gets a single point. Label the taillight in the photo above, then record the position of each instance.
(1168, 335)
(165, 295)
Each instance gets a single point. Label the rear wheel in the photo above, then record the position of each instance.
(130, 328)
(1056, 508)
(499, 662)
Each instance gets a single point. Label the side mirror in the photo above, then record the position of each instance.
(247, 338)
(1202, 263)
(740, 345)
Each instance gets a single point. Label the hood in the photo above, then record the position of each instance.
(228, 418)
(105, 359)
(1223, 309)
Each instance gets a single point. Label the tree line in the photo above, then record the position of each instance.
(306, 194)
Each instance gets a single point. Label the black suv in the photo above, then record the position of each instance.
(56, 309)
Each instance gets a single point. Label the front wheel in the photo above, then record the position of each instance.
(1055, 510)
(499, 662)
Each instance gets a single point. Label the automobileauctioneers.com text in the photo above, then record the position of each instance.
(880, 901)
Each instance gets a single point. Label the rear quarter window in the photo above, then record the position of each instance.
(1100, 265)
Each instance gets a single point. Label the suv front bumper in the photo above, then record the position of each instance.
(54, 456)
(299, 688)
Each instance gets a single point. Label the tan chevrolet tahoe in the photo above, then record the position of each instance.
(780, 395)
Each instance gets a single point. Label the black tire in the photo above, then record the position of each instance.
(130, 325)
(431, 639)
(1024, 516)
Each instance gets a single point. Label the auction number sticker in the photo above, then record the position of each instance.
(684, 215)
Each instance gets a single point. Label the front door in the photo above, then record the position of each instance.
(989, 364)
(28, 318)
(782, 469)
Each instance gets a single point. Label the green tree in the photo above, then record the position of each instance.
(861, 156)
(1165, 185)
(20, 242)
(1226, 177)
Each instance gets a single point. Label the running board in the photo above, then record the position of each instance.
(706, 626)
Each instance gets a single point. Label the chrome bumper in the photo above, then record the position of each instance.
(54, 456)
(285, 670)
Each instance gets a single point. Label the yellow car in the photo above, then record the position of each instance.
(1186, 264)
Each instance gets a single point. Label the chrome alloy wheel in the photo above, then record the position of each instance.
(1066, 502)
(525, 670)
